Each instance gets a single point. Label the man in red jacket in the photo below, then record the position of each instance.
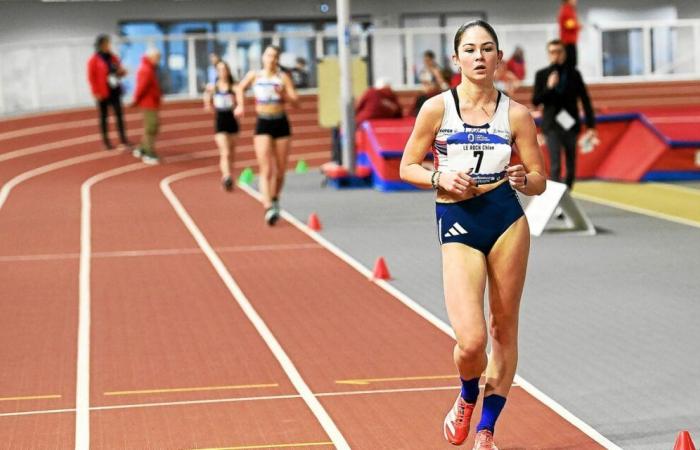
(104, 72)
(147, 97)
(568, 30)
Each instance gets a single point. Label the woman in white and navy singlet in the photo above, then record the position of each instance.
(272, 88)
(227, 103)
(484, 235)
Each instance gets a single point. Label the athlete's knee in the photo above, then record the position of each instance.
(503, 327)
(471, 347)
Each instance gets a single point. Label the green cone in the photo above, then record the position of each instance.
(246, 176)
(302, 167)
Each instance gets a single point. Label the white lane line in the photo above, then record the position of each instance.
(82, 389)
(287, 365)
(92, 123)
(24, 176)
(158, 252)
(234, 400)
(444, 327)
(97, 138)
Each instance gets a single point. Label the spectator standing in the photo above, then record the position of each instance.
(569, 27)
(432, 73)
(147, 96)
(212, 72)
(104, 72)
(300, 74)
(558, 89)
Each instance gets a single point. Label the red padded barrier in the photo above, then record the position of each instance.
(633, 155)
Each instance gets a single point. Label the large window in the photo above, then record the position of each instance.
(435, 42)
(174, 40)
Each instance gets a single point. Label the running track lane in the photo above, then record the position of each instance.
(171, 328)
(47, 271)
(337, 326)
(39, 321)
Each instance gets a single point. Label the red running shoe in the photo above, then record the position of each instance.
(484, 441)
(456, 426)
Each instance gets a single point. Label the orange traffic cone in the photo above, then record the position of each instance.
(380, 272)
(313, 222)
(684, 442)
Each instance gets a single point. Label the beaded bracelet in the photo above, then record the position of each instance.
(435, 179)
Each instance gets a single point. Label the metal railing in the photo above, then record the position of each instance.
(50, 75)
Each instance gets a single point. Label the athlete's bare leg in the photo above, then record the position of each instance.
(507, 265)
(464, 279)
(282, 146)
(264, 145)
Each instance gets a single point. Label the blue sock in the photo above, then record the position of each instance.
(493, 404)
(470, 390)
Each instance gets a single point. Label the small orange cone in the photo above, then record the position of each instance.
(313, 222)
(684, 442)
(381, 272)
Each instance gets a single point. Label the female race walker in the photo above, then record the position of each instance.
(228, 104)
(482, 230)
(271, 88)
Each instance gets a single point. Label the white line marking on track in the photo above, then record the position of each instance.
(24, 176)
(430, 317)
(235, 400)
(82, 389)
(299, 384)
(91, 123)
(97, 138)
(159, 252)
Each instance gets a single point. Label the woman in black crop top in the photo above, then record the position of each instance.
(224, 99)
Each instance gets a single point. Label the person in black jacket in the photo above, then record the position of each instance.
(558, 88)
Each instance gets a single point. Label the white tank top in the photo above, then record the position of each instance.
(268, 90)
(486, 149)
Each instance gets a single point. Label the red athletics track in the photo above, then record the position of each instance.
(174, 361)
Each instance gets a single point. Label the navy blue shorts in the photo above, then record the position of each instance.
(478, 222)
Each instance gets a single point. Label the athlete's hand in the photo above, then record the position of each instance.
(516, 176)
(238, 111)
(456, 182)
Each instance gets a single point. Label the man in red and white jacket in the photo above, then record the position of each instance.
(147, 96)
(104, 71)
(569, 27)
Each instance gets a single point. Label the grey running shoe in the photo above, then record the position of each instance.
(271, 215)
(150, 158)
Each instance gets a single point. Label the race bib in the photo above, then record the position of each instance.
(223, 101)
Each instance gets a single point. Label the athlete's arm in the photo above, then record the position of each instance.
(242, 87)
(207, 97)
(527, 177)
(421, 139)
(289, 90)
(238, 94)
